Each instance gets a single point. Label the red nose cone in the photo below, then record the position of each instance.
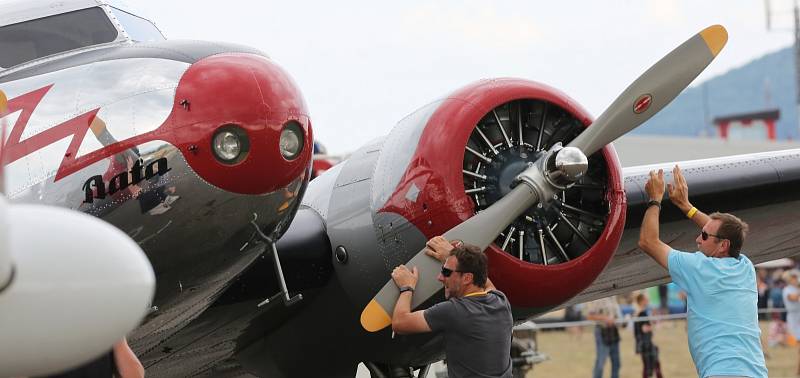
(257, 98)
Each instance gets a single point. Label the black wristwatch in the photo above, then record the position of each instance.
(654, 203)
(406, 288)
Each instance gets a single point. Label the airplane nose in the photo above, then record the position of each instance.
(242, 123)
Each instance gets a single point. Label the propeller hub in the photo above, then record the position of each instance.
(569, 164)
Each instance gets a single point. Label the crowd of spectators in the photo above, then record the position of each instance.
(771, 284)
(668, 299)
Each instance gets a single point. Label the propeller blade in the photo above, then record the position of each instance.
(652, 91)
(480, 230)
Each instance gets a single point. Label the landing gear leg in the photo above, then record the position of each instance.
(288, 300)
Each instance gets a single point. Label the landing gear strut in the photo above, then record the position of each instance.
(287, 300)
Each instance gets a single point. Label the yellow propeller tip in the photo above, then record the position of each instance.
(3, 102)
(374, 318)
(715, 37)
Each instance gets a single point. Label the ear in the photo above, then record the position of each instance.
(725, 244)
(468, 277)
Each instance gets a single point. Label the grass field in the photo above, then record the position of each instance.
(573, 355)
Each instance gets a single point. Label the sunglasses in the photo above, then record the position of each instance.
(447, 271)
(704, 235)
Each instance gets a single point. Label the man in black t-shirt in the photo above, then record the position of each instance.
(475, 319)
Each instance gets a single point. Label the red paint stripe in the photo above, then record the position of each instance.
(77, 127)
(27, 103)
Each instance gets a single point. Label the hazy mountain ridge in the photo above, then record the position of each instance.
(765, 83)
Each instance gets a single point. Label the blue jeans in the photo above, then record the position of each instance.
(604, 351)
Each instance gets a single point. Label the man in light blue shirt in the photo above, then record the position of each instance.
(724, 338)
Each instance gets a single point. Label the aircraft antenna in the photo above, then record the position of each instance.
(769, 14)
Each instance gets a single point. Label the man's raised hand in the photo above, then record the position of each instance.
(655, 185)
(679, 190)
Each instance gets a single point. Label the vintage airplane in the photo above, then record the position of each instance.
(191, 141)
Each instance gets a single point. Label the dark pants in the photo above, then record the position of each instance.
(651, 365)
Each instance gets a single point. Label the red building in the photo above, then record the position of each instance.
(748, 126)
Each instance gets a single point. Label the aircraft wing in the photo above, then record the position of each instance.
(763, 189)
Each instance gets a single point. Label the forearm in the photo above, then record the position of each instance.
(402, 309)
(699, 218)
(649, 240)
(649, 232)
(128, 365)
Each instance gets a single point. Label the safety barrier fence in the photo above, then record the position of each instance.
(532, 325)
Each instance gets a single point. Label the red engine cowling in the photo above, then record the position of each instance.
(474, 143)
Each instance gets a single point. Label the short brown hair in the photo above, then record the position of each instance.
(733, 229)
(472, 260)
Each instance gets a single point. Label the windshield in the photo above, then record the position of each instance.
(29, 40)
(139, 29)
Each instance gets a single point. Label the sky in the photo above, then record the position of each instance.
(364, 65)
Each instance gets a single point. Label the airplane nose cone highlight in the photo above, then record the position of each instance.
(242, 123)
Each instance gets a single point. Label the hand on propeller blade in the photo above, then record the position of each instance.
(402, 276)
(440, 248)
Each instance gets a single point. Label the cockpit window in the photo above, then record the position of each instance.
(139, 29)
(38, 38)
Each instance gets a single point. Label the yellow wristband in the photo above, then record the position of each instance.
(691, 212)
